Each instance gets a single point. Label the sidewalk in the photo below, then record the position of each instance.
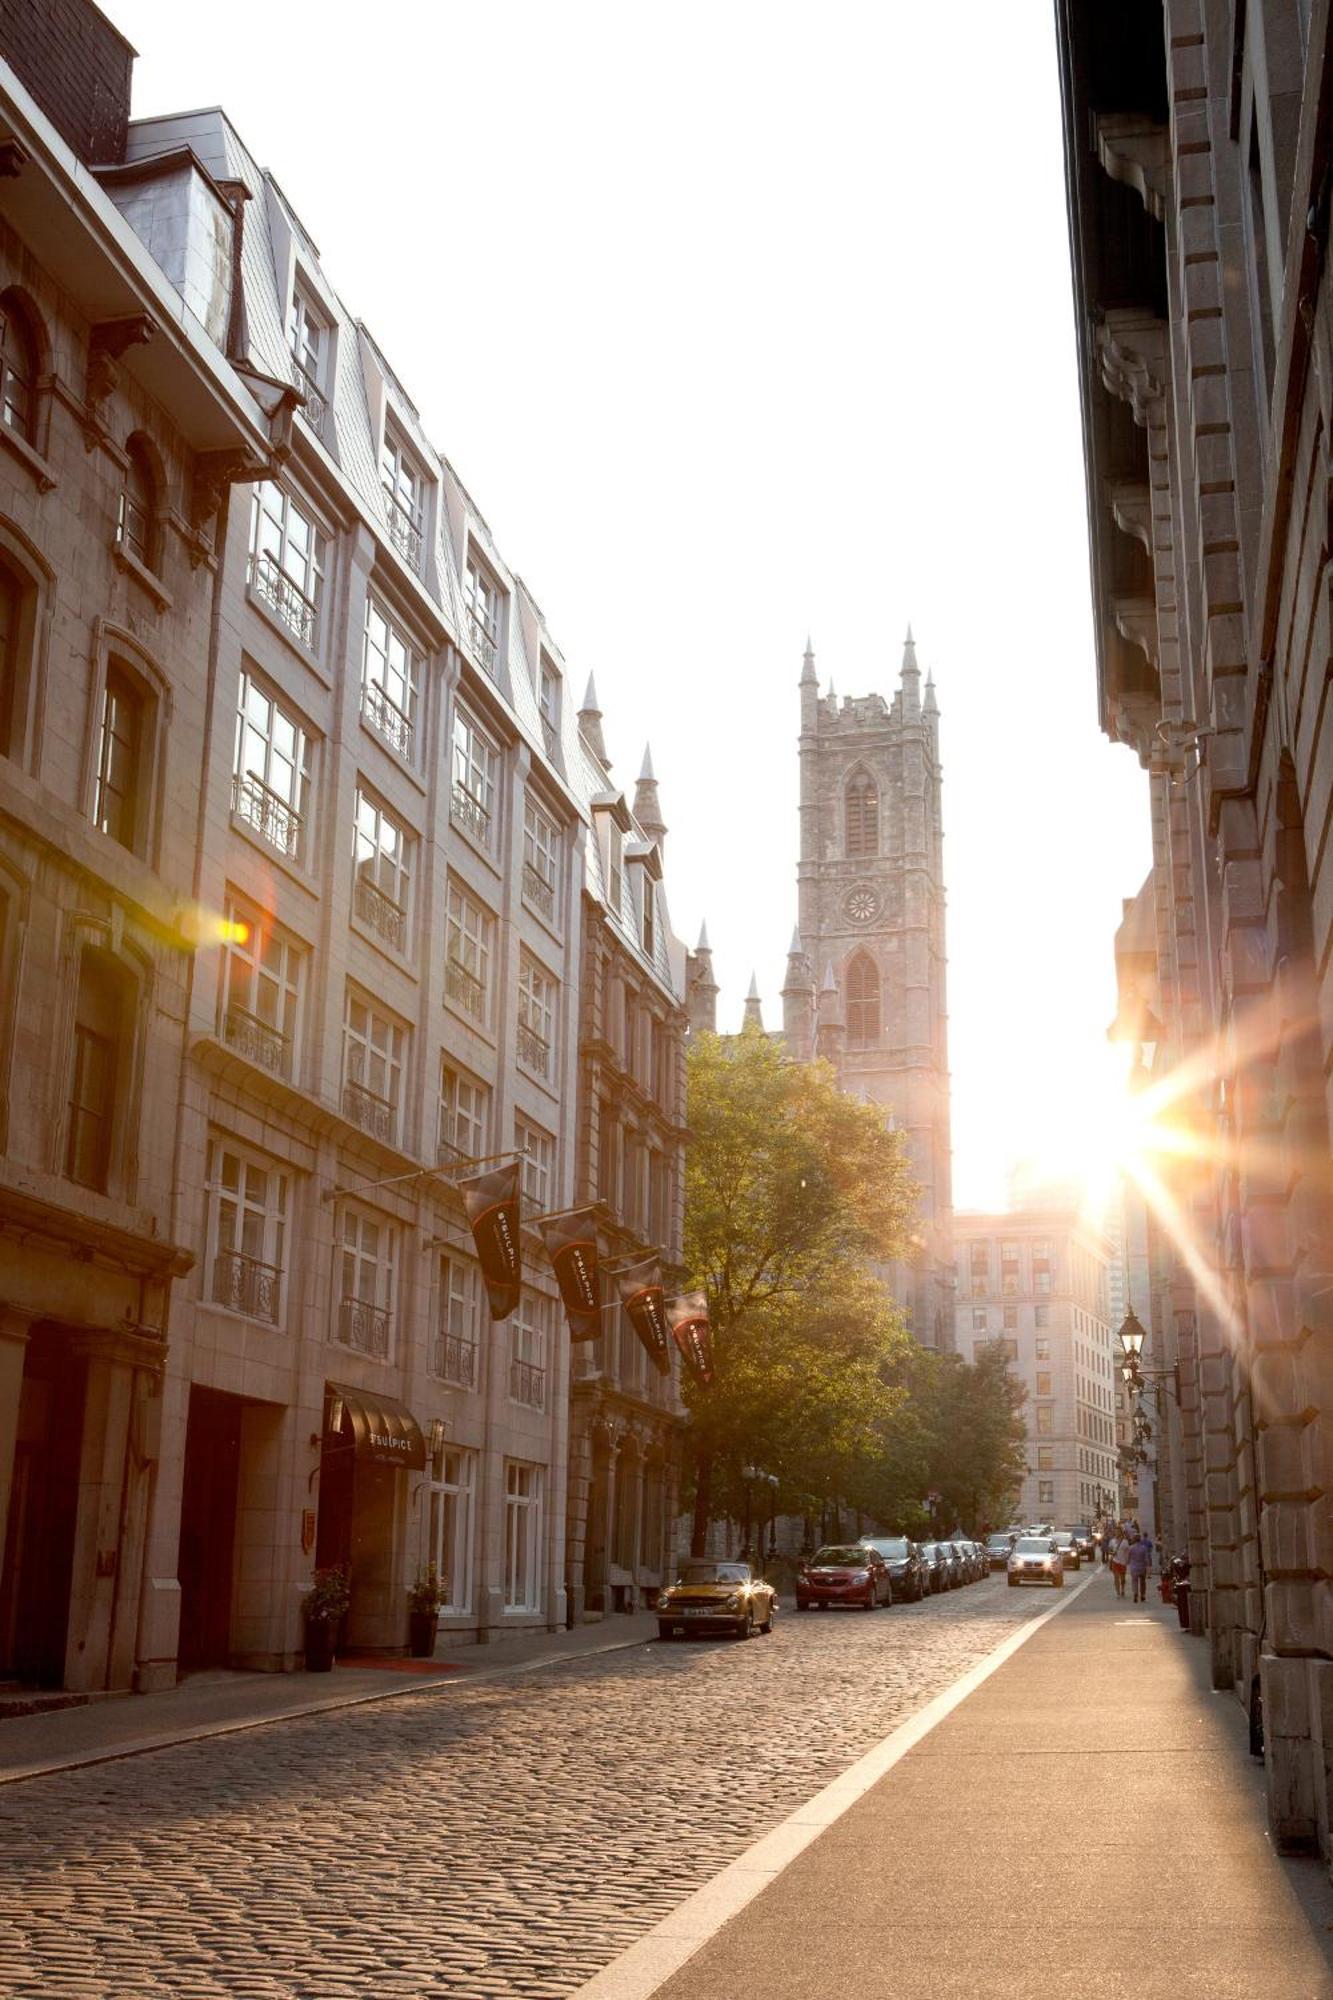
(214, 1704)
(1087, 1824)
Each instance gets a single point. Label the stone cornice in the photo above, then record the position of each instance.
(89, 1237)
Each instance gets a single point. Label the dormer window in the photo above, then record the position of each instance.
(308, 339)
(483, 611)
(548, 702)
(405, 499)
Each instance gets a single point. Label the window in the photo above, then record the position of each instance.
(18, 370)
(538, 1151)
(405, 500)
(270, 769)
(452, 1477)
(548, 702)
(467, 944)
(608, 1154)
(979, 1260)
(1045, 1419)
(657, 1196)
(529, 1331)
(861, 806)
(95, 1070)
(1008, 1348)
(1044, 1383)
(1041, 1269)
(287, 562)
(373, 1054)
(12, 597)
(136, 509)
(1009, 1269)
(382, 858)
(523, 1536)
(664, 1065)
(465, 1114)
(483, 612)
(260, 993)
(862, 1001)
(615, 856)
(1046, 1458)
(457, 1335)
(476, 764)
(118, 802)
(1010, 1318)
(541, 859)
(308, 338)
(1043, 1349)
(248, 1199)
(1042, 1315)
(1046, 1492)
(649, 916)
(536, 1017)
(367, 1257)
(390, 676)
(980, 1319)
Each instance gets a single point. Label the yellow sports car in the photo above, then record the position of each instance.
(716, 1597)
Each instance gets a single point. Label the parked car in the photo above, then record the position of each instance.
(937, 1568)
(716, 1597)
(953, 1565)
(1035, 1559)
(908, 1579)
(980, 1567)
(843, 1573)
(997, 1550)
(963, 1557)
(1084, 1541)
(1068, 1548)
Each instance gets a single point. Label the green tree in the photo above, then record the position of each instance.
(974, 1414)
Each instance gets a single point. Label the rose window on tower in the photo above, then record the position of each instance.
(861, 904)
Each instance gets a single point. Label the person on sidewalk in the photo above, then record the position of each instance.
(1119, 1561)
(1139, 1561)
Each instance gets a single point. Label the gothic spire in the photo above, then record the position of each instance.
(590, 725)
(647, 808)
(754, 1012)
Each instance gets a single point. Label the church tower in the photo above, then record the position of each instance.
(870, 888)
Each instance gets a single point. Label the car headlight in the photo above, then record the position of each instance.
(860, 1576)
(736, 1603)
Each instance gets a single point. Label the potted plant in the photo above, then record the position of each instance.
(423, 1602)
(325, 1606)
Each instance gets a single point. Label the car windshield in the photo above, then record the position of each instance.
(855, 1556)
(1033, 1545)
(712, 1572)
(930, 1550)
(890, 1545)
(998, 1542)
(1063, 1539)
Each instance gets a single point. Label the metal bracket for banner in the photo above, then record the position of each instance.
(462, 1163)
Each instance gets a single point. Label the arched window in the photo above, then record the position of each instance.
(862, 1001)
(18, 369)
(861, 803)
(136, 517)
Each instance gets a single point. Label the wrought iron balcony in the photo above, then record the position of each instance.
(383, 713)
(454, 1360)
(404, 530)
(483, 645)
(365, 1327)
(297, 611)
(464, 987)
(533, 1052)
(316, 407)
(244, 1285)
(539, 892)
(266, 812)
(527, 1384)
(258, 1041)
(370, 1112)
(467, 811)
(385, 917)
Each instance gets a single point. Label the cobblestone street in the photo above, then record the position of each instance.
(505, 1839)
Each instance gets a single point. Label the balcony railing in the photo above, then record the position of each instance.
(464, 987)
(244, 1285)
(454, 1360)
(538, 891)
(316, 407)
(271, 582)
(385, 917)
(483, 646)
(383, 713)
(258, 1041)
(266, 812)
(364, 1326)
(527, 1384)
(467, 811)
(533, 1052)
(368, 1111)
(404, 530)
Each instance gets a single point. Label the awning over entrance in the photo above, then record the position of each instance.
(382, 1430)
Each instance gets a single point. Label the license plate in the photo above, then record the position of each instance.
(692, 1611)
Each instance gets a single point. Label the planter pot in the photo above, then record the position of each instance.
(422, 1627)
(320, 1634)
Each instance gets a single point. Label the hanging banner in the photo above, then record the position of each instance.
(571, 1245)
(641, 1295)
(687, 1317)
(491, 1201)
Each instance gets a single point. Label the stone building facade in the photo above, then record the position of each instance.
(337, 932)
(1036, 1281)
(1198, 169)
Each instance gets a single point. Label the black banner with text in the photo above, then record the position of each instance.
(687, 1317)
(571, 1245)
(641, 1295)
(491, 1200)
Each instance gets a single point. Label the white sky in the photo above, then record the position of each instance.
(741, 320)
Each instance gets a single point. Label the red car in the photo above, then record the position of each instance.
(843, 1574)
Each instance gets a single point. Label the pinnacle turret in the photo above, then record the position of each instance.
(754, 1010)
(808, 676)
(590, 725)
(647, 808)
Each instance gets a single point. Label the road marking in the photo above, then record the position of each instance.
(646, 1966)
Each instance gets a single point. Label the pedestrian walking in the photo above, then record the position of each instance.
(1119, 1561)
(1139, 1560)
